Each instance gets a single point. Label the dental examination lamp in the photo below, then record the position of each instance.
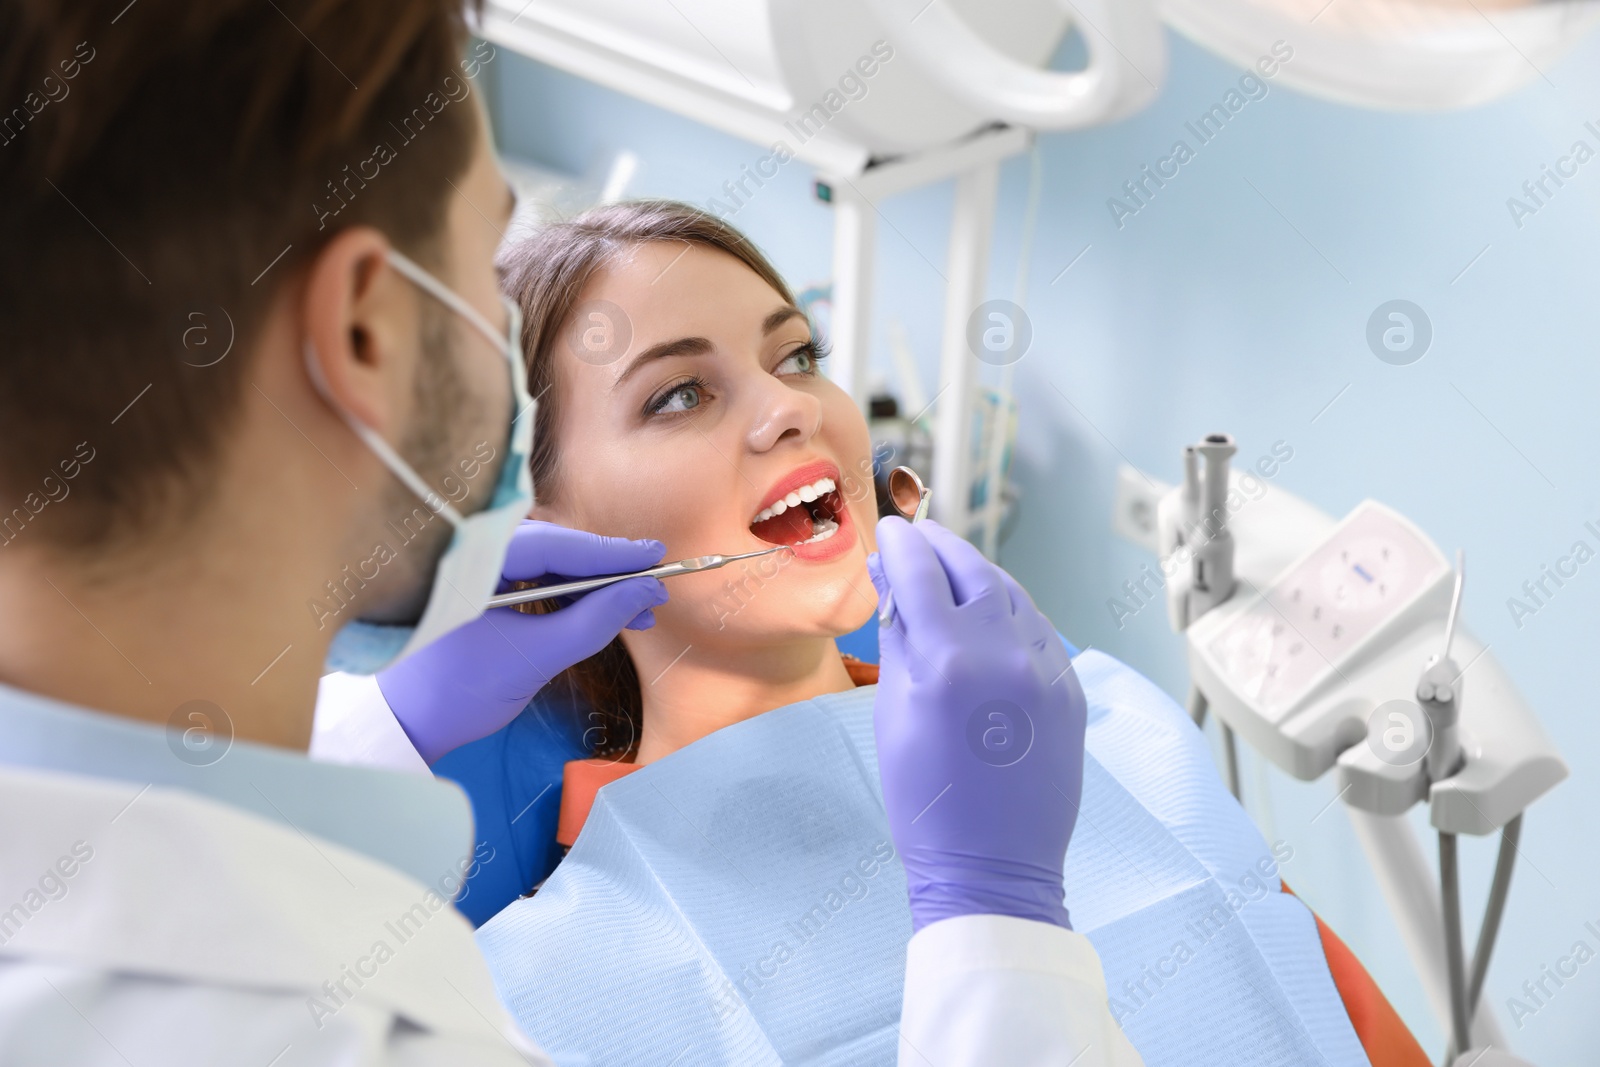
(1401, 55)
(1337, 647)
(879, 97)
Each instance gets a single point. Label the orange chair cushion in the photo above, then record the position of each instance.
(1387, 1041)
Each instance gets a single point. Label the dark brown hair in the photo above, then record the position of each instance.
(158, 160)
(546, 275)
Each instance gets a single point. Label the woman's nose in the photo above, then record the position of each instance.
(783, 414)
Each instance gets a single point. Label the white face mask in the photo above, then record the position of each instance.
(469, 571)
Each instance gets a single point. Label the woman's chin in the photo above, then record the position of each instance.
(864, 614)
(832, 609)
(845, 603)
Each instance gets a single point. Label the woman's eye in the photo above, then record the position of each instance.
(680, 398)
(803, 360)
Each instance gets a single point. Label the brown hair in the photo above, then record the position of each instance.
(159, 160)
(546, 275)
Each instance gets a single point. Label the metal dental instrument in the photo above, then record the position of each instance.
(910, 498)
(692, 565)
(907, 492)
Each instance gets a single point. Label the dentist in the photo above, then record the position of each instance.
(262, 417)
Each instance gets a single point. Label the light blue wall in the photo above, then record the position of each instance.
(1237, 299)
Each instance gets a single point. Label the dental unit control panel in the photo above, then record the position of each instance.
(1336, 646)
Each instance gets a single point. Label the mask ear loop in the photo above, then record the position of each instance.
(519, 372)
(507, 344)
(381, 448)
(446, 296)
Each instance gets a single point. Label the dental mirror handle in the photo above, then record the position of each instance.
(903, 481)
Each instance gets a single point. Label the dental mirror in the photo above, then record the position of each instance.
(910, 499)
(908, 494)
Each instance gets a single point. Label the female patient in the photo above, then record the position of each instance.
(682, 398)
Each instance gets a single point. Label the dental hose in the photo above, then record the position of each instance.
(1230, 745)
(1493, 912)
(1198, 706)
(1499, 889)
(1450, 894)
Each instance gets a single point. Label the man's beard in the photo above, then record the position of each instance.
(443, 441)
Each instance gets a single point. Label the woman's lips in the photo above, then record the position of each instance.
(809, 515)
(806, 474)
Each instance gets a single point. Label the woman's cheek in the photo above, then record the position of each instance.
(862, 497)
(866, 515)
(638, 498)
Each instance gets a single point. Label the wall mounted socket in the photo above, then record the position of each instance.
(1133, 512)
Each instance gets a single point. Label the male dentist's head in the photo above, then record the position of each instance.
(200, 207)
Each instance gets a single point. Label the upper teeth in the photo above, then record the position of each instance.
(806, 493)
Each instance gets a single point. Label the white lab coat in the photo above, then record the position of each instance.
(156, 926)
(980, 989)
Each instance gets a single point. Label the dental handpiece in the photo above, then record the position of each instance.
(665, 570)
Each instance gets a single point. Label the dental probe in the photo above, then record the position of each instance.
(666, 570)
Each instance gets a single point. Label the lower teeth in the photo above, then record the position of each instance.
(824, 529)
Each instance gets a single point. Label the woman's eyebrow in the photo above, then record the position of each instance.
(683, 346)
(779, 317)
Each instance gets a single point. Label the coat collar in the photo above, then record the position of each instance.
(415, 823)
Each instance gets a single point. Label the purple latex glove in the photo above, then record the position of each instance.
(980, 725)
(476, 679)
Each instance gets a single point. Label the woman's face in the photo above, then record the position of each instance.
(703, 410)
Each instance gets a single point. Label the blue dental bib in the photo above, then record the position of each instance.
(740, 902)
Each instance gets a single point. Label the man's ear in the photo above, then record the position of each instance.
(359, 320)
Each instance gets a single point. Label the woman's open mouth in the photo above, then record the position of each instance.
(804, 514)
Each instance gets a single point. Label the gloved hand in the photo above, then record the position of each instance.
(980, 725)
(476, 679)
